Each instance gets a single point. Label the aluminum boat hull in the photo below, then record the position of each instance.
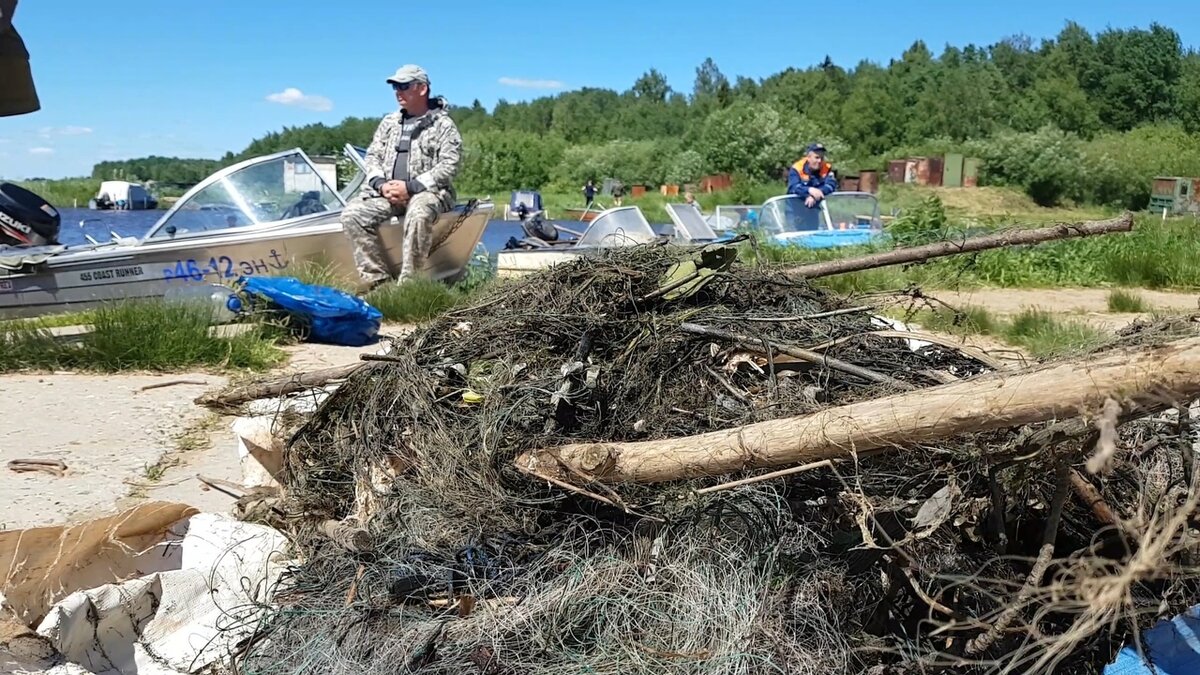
(83, 277)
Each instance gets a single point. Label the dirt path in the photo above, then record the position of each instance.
(122, 444)
(1089, 305)
(1065, 300)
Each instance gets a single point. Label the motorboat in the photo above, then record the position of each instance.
(841, 219)
(264, 216)
(616, 227)
(120, 195)
(522, 203)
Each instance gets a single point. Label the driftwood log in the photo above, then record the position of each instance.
(1134, 376)
(290, 384)
(901, 256)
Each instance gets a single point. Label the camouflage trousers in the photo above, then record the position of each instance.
(361, 220)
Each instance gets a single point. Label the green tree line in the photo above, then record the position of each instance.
(158, 169)
(1079, 117)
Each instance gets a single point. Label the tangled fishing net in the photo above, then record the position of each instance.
(972, 555)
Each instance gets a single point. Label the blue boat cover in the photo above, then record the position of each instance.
(332, 316)
(831, 238)
(1172, 646)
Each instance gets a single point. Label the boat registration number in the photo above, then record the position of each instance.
(224, 267)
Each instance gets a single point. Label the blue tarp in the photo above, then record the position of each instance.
(1172, 646)
(331, 316)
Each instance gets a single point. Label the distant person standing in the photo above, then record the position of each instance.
(618, 192)
(18, 96)
(690, 200)
(411, 162)
(589, 193)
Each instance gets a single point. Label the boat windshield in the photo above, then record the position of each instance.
(689, 223)
(853, 211)
(357, 157)
(270, 190)
(733, 216)
(787, 213)
(622, 226)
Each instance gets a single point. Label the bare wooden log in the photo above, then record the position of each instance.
(1134, 376)
(1122, 223)
(279, 387)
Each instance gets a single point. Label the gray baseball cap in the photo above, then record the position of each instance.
(409, 73)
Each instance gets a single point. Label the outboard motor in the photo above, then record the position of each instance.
(26, 219)
(535, 227)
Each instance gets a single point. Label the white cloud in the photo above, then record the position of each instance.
(48, 132)
(293, 96)
(41, 151)
(531, 84)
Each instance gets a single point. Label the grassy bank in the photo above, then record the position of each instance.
(64, 193)
(1156, 254)
(139, 335)
(1040, 333)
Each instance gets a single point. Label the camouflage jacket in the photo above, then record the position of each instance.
(433, 159)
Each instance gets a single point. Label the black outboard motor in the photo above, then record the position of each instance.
(26, 219)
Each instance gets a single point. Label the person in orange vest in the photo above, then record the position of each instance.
(812, 178)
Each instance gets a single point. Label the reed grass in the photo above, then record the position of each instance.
(1126, 302)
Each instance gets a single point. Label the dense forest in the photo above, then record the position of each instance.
(1080, 117)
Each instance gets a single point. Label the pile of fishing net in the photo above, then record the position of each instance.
(974, 554)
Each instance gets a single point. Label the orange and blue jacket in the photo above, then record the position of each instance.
(800, 179)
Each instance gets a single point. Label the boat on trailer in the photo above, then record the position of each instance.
(264, 216)
(617, 227)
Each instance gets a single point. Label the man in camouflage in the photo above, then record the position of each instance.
(411, 163)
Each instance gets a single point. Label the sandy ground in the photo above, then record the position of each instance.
(1084, 304)
(122, 444)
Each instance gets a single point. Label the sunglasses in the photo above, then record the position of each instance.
(402, 86)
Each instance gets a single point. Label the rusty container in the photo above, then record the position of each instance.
(713, 183)
(921, 170)
(868, 181)
(896, 170)
(970, 177)
(848, 184)
(637, 191)
(937, 168)
(929, 171)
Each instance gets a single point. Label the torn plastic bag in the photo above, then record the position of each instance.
(325, 314)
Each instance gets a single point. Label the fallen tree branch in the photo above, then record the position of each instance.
(798, 352)
(1123, 223)
(1136, 376)
(278, 387)
(170, 383)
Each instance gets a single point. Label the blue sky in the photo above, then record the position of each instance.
(198, 78)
